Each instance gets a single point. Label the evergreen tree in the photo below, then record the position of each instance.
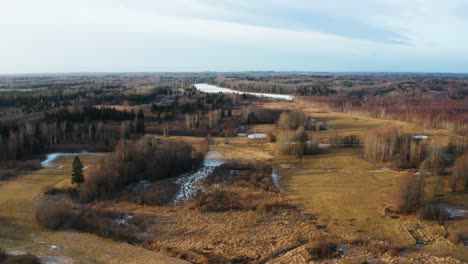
(77, 172)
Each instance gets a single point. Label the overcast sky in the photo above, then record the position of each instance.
(233, 35)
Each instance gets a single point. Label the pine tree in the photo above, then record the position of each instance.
(77, 172)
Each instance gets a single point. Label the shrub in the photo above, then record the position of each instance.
(18, 259)
(159, 193)
(216, 201)
(433, 211)
(49, 190)
(325, 249)
(454, 237)
(412, 192)
(53, 214)
(291, 143)
(390, 145)
(395, 250)
(351, 141)
(110, 224)
(460, 173)
(132, 161)
(292, 120)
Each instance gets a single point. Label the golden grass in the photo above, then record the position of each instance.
(20, 232)
(340, 188)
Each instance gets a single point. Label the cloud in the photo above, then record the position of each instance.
(198, 35)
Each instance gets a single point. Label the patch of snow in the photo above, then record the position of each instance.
(455, 212)
(123, 220)
(141, 185)
(52, 247)
(60, 167)
(383, 169)
(241, 134)
(208, 88)
(85, 167)
(275, 178)
(51, 157)
(420, 137)
(312, 120)
(257, 136)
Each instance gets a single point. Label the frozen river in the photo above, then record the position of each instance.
(208, 88)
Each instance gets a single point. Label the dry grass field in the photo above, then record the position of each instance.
(20, 233)
(349, 194)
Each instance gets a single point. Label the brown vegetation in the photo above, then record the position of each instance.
(53, 213)
(390, 145)
(412, 192)
(18, 259)
(460, 173)
(145, 159)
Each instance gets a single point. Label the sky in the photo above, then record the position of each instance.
(52, 36)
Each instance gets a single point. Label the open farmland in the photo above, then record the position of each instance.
(172, 174)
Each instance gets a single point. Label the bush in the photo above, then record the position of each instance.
(49, 190)
(325, 249)
(133, 161)
(454, 237)
(292, 120)
(460, 173)
(433, 211)
(390, 145)
(412, 192)
(292, 143)
(18, 259)
(53, 214)
(395, 250)
(111, 225)
(216, 201)
(159, 193)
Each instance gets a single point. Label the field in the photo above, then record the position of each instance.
(172, 177)
(21, 234)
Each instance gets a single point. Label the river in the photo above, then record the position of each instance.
(208, 88)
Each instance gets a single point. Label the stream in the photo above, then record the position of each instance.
(191, 184)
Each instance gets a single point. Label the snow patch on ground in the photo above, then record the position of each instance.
(141, 185)
(123, 220)
(257, 135)
(51, 157)
(383, 169)
(275, 178)
(420, 137)
(455, 212)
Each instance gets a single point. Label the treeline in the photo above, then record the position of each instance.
(254, 115)
(88, 113)
(82, 125)
(145, 159)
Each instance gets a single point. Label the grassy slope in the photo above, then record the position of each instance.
(19, 232)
